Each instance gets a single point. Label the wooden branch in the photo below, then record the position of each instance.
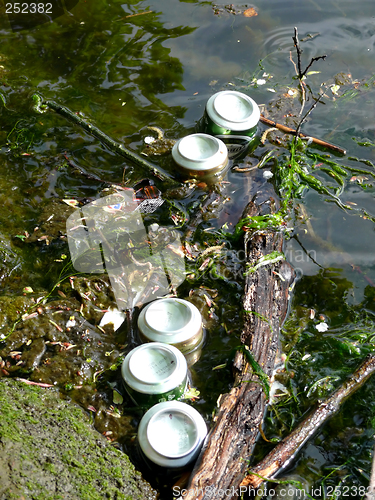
(299, 52)
(287, 130)
(303, 119)
(301, 73)
(223, 461)
(105, 139)
(313, 59)
(284, 452)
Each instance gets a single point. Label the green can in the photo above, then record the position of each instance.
(154, 373)
(232, 117)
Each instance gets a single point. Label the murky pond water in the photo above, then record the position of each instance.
(127, 72)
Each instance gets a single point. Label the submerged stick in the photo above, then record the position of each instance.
(284, 452)
(287, 130)
(105, 139)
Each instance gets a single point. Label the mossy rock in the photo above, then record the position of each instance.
(49, 450)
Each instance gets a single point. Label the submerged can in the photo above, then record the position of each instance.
(232, 117)
(173, 321)
(171, 434)
(153, 373)
(200, 155)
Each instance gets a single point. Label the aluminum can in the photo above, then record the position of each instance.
(232, 117)
(173, 321)
(200, 155)
(171, 434)
(153, 373)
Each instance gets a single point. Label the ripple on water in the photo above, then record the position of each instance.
(348, 44)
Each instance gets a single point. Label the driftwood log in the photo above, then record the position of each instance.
(222, 463)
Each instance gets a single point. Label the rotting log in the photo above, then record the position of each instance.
(222, 464)
(284, 452)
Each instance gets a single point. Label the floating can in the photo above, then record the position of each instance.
(153, 373)
(171, 434)
(232, 117)
(173, 321)
(200, 155)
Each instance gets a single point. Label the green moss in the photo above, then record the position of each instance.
(60, 449)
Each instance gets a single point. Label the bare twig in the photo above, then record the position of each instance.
(138, 14)
(299, 72)
(284, 452)
(30, 382)
(288, 130)
(299, 52)
(307, 114)
(313, 59)
(105, 139)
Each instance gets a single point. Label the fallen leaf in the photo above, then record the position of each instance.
(72, 203)
(117, 398)
(250, 12)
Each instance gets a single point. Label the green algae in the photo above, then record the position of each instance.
(55, 453)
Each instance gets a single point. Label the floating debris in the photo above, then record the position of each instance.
(113, 316)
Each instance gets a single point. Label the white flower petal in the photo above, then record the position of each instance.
(149, 140)
(267, 174)
(321, 327)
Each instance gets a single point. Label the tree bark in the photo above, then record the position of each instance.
(222, 463)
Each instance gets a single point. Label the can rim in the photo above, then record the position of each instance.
(156, 457)
(131, 367)
(136, 368)
(213, 152)
(149, 328)
(222, 114)
(155, 443)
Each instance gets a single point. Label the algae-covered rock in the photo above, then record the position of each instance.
(49, 450)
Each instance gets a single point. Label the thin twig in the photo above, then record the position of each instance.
(299, 72)
(285, 451)
(30, 382)
(299, 52)
(313, 59)
(138, 14)
(288, 130)
(105, 139)
(307, 114)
